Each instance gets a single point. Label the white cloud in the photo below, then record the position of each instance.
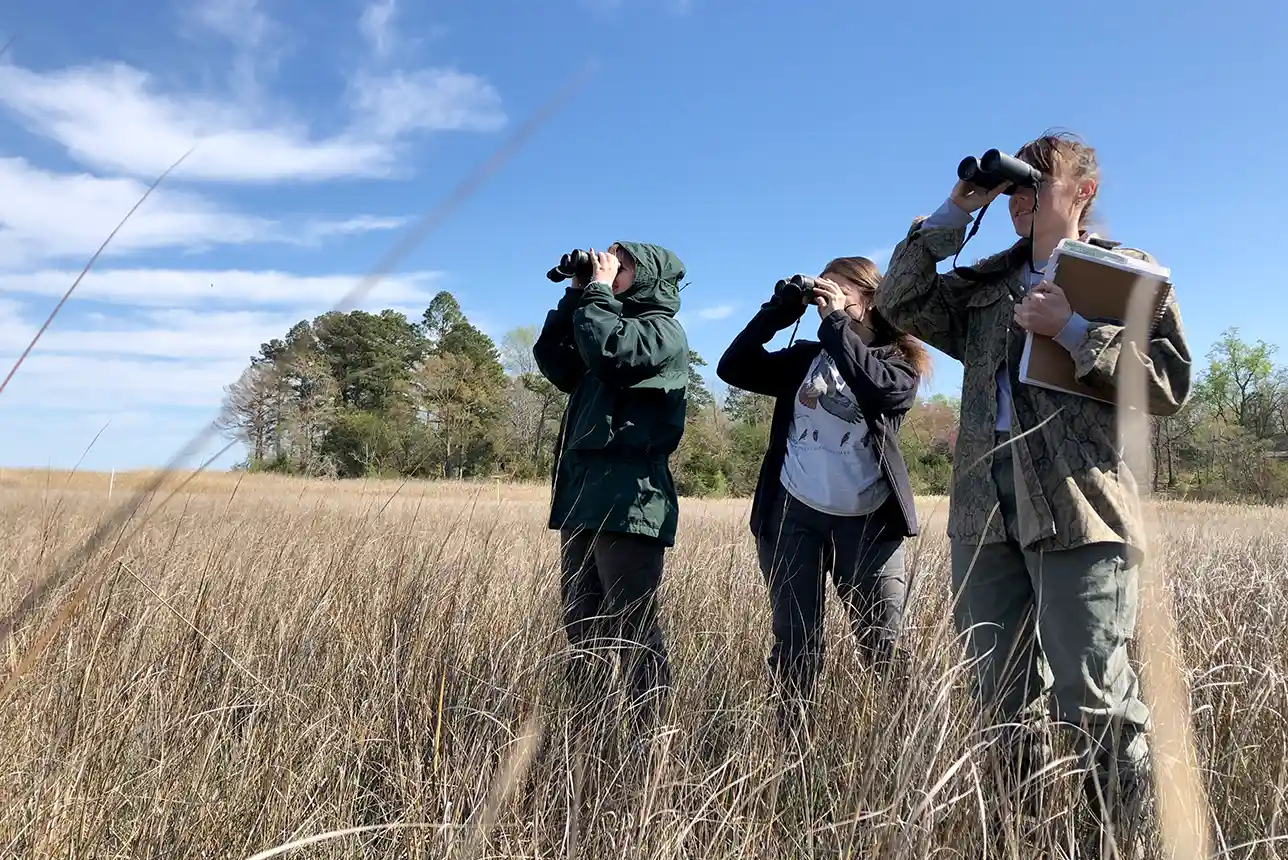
(180, 334)
(14, 334)
(108, 118)
(313, 232)
(703, 315)
(170, 288)
(880, 256)
(253, 34)
(156, 358)
(112, 117)
(173, 338)
(239, 21)
(51, 216)
(127, 378)
(375, 24)
(142, 367)
(110, 384)
(718, 312)
(427, 100)
(48, 215)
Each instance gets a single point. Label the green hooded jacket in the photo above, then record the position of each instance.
(624, 362)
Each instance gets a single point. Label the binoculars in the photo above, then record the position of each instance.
(797, 288)
(575, 263)
(994, 168)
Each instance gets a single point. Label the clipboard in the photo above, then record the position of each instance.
(1098, 284)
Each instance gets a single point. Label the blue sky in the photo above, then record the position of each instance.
(756, 139)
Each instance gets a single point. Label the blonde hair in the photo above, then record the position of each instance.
(1064, 154)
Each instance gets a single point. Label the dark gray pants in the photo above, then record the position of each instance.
(609, 583)
(799, 548)
(1057, 625)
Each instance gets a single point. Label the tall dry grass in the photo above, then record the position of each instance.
(272, 659)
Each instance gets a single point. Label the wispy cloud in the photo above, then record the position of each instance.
(152, 339)
(312, 232)
(376, 25)
(171, 288)
(110, 383)
(257, 40)
(393, 100)
(880, 256)
(51, 217)
(78, 370)
(398, 102)
(171, 334)
(109, 117)
(718, 312)
(115, 117)
(242, 22)
(704, 315)
(152, 358)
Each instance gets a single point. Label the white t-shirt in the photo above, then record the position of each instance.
(831, 462)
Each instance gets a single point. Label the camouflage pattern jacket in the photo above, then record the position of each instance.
(1073, 485)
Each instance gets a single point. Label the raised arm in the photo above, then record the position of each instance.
(555, 352)
(623, 351)
(1099, 347)
(746, 364)
(880, 385)
(914, 296)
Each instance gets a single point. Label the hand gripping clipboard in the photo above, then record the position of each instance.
(1098, 284)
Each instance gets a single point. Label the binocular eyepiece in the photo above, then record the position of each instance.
(994, 168)
(797, 288)
(575, 264)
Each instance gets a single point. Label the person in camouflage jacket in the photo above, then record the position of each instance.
(1045, 526)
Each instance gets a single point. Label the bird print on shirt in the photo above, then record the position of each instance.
(820, 389)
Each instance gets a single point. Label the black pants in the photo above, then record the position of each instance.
(798, 548)
(609, 584)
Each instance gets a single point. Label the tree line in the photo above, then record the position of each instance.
(362, 394)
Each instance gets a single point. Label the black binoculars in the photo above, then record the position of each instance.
(578, 263)
(994, 168)
(797, 288)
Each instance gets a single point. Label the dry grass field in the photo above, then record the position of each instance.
(266, 659)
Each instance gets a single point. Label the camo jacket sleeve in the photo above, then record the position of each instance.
(916, 298)
(1099, 354)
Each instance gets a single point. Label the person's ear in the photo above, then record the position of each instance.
(1085, 191)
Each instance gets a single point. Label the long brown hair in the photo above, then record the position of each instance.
(863, 274)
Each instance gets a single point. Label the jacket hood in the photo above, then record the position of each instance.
(658, 273)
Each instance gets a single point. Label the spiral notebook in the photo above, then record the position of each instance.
(1098, 284)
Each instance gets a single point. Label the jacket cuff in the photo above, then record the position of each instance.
(569, 300)
(941, 240)
(598, 290)
(830, 327)
(1073, 332)
(779, 315)
(949, 214)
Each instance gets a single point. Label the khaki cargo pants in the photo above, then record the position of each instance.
(1054, 624)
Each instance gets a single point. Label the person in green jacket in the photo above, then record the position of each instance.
(615, 347)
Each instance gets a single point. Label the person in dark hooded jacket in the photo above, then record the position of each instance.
(616, 348)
